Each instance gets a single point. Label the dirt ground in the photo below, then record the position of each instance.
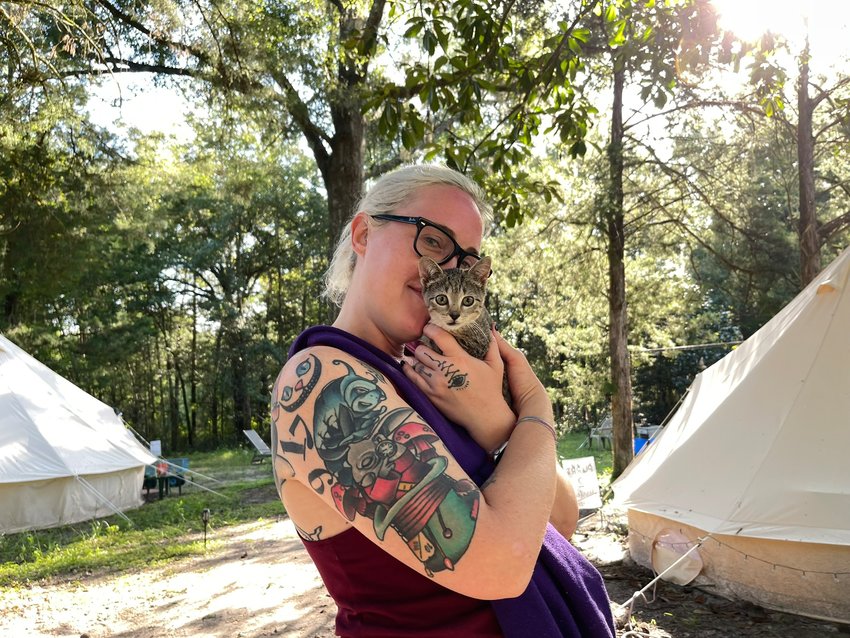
(680, 612)
(257, 581)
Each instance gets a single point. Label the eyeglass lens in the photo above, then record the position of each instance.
(434, 243)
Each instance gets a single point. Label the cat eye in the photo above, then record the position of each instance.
(434, 242)
(468, 301)
(441, 300)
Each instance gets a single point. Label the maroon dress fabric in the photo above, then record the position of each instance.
(379, 596)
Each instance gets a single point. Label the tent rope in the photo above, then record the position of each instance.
(190, 481)
(641, 593)
(803, 572)
(103, 499)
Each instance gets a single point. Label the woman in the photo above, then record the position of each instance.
(387, 472)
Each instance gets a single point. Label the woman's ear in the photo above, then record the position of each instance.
(359, 233)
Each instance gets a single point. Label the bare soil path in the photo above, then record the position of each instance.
(256, 580)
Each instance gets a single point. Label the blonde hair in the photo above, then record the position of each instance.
(386, 195)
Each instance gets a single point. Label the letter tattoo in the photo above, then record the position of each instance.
(457, 380)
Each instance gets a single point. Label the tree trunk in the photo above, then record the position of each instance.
(237, 346)
(808, 225)
(173, 408)
(10, 309)
(186, 413)
(193, 372)
(163, 425)
(343, 176)
(621, 395)
(342, 168)
(216, 391)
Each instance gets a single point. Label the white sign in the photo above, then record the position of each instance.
(156, 448)
(582, 474)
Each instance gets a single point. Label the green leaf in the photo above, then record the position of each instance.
(416, 25)
(442, 34)
(408, 139)
(429, 41)
(578, 149)
(581, 34)
(768, 108)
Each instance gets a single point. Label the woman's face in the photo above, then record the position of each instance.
(391, 265)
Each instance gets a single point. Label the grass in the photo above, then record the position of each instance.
(161, 530)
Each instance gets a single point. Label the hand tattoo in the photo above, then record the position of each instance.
(457, 380)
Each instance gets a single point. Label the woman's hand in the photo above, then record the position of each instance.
(468, 391)
(527, 393)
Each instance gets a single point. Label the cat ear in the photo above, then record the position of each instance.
(481, 270)
(429, 270)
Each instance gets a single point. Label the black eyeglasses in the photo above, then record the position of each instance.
(432, 241)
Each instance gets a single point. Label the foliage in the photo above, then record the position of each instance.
(169, 280)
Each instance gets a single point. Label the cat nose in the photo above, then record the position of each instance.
(454, 315)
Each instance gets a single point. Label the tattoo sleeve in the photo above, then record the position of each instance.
(383, 465)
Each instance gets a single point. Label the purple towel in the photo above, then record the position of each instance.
(566, 595)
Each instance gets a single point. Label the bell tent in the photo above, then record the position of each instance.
(65, 456)
(755, 464)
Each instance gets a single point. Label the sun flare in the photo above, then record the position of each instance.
(827, 23)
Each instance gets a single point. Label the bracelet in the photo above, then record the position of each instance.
(546, 424)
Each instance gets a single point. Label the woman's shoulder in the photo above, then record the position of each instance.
(315, 359)
(312, 369)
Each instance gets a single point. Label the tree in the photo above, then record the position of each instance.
(319, 68)
(813, 233)
(235, 212)
(644, 42)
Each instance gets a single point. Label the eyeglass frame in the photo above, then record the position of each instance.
(420, 223)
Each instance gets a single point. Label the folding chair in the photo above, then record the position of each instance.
(261, 448)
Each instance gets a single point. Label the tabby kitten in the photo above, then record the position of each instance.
(455, 301)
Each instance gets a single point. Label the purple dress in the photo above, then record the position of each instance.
(566, 596)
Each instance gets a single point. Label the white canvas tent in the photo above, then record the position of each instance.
(758, 456)
(65, 457)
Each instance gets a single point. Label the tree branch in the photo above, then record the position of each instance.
(827, 230)
(131, 67)
(826, 93)
(738, 105)
(296, 107)
(382, 167)
(370, 30)
(141, 28)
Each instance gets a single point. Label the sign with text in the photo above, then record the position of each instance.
(582, 474)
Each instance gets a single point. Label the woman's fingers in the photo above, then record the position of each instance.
(418, 373)
(507, 352)
(444, 340)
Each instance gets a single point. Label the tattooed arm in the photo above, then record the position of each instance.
(343, 437)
